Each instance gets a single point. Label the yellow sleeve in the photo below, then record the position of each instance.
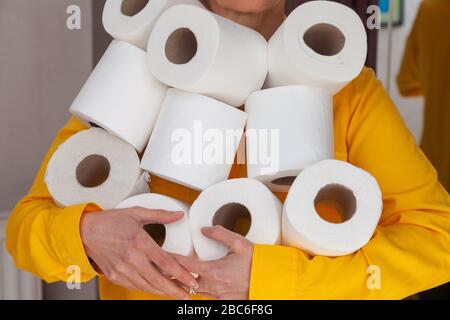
(411, 246)
(43, 238)
(408, 79)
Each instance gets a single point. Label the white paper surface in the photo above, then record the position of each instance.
(178, 236)
(177, 147)
(329, 55)
(123, 178)
(303, 118)
(263, 206)
(305, 229)
(133, 20)
(211, 55)
(121, 95)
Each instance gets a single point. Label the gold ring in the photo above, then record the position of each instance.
(192, 291)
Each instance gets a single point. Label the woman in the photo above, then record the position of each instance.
(409, 252)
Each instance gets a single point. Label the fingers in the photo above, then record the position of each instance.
(166, 263)
(201, 290)
(168, 286)
(205, 287)
(142, 284)
(115, 274)
(142, 275)
(135, 267)
(147, 216)
(230, 239)
(199, 268)
(170, 266)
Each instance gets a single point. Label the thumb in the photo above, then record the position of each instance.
(156, 216)
(229, 238)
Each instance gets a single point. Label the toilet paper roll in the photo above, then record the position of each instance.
(133, 20)
(195, 50)
(174, 237)
(94, 166)
(121, 95)
(332, 209)
(194, 141)
(288, 129)
(321, 44)
(244, 206)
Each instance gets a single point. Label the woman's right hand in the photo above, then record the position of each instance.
(116, 241)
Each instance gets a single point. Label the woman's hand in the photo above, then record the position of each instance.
(116, 241)
(229, 277)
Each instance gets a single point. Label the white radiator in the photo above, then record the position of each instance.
(15, 284)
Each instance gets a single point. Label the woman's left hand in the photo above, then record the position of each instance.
(229, 277)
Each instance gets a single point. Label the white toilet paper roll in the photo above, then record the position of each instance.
(321, 44)
(121, 95)
(288, 129)
(195, 50)
(332, 209)
(244, 206)
(94, 166)
(194, 141)
(133, 20)
(174, 237)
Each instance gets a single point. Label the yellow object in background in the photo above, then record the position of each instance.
(425, 71)
(410, 249)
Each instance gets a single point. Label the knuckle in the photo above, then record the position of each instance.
(237, 243)
(158, 214)
(120, 267)
(215, 231)
(107, 274)
(220, 230)
(113, 277)
(135, 209)
(128, 257)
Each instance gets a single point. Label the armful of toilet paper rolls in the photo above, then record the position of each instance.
(128, 256)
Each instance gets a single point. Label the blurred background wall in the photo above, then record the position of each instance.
(43, 66)
(410, 108)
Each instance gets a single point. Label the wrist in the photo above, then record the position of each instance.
(86, 223)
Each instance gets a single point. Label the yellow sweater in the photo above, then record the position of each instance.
(411, 247)
(424, 71)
